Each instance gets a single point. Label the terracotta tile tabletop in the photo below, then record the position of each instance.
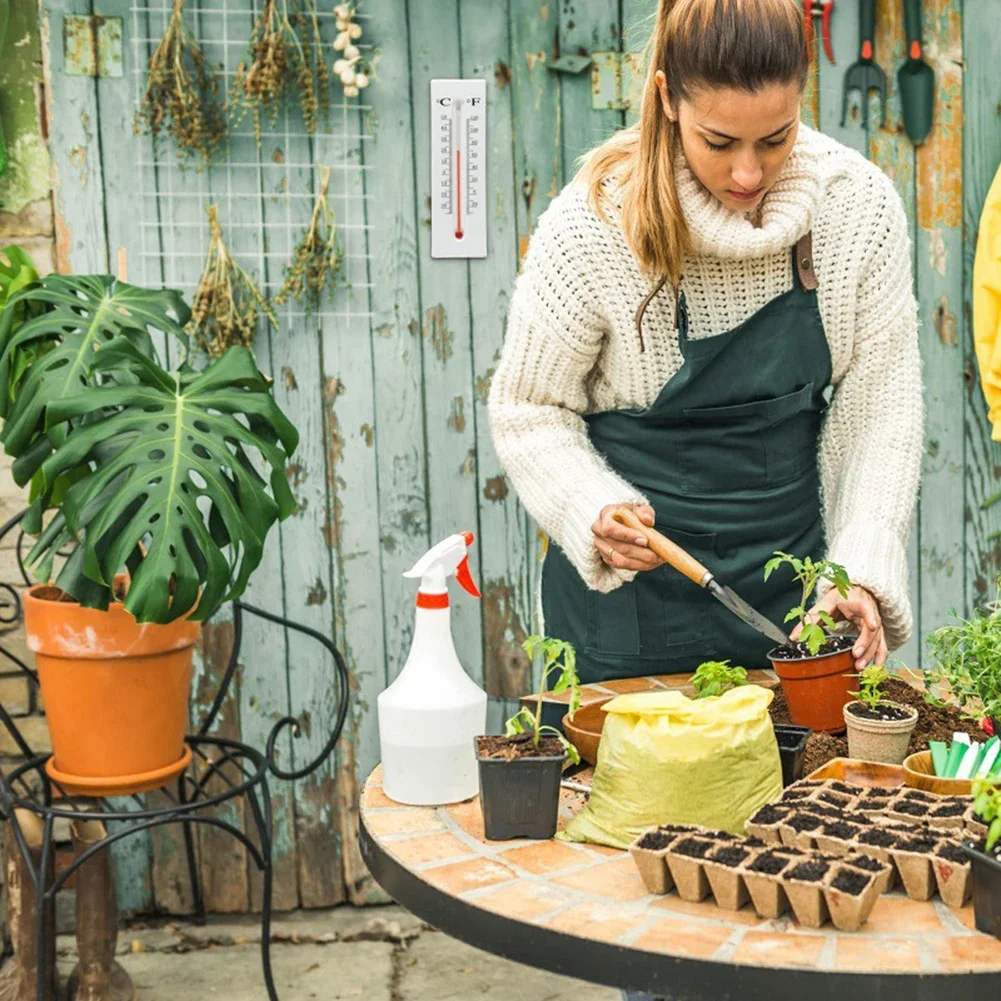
(596, 894)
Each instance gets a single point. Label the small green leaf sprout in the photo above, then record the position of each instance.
(810, 573)
(714, 677)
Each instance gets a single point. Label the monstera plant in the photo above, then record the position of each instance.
(152, 491)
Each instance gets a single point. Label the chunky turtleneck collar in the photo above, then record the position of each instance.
(786, 212)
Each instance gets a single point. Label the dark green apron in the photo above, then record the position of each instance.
(727, 455)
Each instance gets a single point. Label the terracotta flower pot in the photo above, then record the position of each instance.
(116, 692)
(882, 740)
(817, 688)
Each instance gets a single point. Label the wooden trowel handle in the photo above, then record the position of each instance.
(668, 551)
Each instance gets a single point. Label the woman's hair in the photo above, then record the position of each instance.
(735, 44)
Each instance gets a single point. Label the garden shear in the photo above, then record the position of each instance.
(822, 9)
(864, 75)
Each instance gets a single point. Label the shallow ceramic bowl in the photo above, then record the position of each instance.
(919, 772)
(584, 730)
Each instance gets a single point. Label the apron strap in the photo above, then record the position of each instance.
(804, 262)
(641, 309)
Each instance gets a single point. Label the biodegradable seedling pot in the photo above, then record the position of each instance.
(836, 837)
(881, 871)
(884, 741)
(948, 815)
(649, 852)
(792, 751)
(976, 828)
(520, 798)
(765, 823)
(726, 880)
(115, 692)
(817, 688)
(986, 889)
(798, 830)
(915, 870)
(880, 852)
(686, 862)
(850, 896)
(762, 877)
(953, 873)
(806, 896)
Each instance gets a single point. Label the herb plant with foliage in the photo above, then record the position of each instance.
(987, 806)
(871, 682)
(714, 677)
(557, 656)
(133, 467)
(809, 573)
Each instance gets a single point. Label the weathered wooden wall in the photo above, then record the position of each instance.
(396, 449)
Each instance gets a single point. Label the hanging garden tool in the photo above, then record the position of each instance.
(916, 79)
(822, 9)
(864, 75)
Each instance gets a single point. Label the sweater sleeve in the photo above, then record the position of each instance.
(872, 444)
(538, 394)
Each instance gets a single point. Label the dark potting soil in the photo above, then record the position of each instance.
(876, 795)
(521, 746)
(921, 846)
(753, 843)
(655, 840)
(729, 855)
(809, 872)
(878, 837)
(693, 847)
(821, 748)
(951, 851)
(770, 814)
(792, 794)
(912, 808)
(676, 828)
(823, 810)
(839, 829)
(850, 882)
(799, 650)
(846, 789)
(918, 796)
(716, 835)
(836, 798)
(804, 822)
(770, 863)
(866, 862)
(954, 809)
(882, 712)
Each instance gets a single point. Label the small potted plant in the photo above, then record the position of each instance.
(878, 729)
(985, 856)
(520, 771)
(714, 677)
(158, 487)
(817, 670)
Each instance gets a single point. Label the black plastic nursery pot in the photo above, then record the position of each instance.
(792, 750)
(520, 798)
(986, 890)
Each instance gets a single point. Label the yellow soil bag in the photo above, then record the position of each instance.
(668, 759)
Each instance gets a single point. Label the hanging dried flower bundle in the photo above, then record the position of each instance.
(227, 302)
(351, 69)
(179, 94)
(317, 259)
(286, 53)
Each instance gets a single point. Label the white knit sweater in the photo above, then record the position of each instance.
(571, 348)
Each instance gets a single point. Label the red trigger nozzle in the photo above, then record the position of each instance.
(465, 578)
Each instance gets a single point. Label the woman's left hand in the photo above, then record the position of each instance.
(860, 608)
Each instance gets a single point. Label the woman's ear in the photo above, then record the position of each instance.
(665, 98)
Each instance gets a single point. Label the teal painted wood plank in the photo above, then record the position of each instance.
(396, 321)
(81, 245)
(940, 281)
(445, 293)
(981, 156)
(830, 86)
(503, 557)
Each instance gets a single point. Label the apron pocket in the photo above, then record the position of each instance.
(675, 613)
(613, 627)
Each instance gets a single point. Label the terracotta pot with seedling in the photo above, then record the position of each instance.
(878, 729)
(985, 856)
(817, 670)
(520, 771)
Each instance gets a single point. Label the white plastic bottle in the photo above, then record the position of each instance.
(430, 714)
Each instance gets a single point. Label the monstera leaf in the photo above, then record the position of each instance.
(175, 494)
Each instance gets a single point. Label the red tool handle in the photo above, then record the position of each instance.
(825, 22)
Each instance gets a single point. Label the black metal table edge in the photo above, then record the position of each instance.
(628, 968)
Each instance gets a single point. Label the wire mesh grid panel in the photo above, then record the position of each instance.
(264, 191)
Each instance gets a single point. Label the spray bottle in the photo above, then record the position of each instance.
(429, 716)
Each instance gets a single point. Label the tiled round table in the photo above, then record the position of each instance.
(582, 910)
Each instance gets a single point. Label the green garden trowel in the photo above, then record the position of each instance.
(916, 79)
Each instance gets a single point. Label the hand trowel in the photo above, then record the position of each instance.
(916, 79)
(670, 552)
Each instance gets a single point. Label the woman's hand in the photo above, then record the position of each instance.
(621, 547)
(860, 608)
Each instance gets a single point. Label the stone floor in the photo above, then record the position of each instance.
(374, 954)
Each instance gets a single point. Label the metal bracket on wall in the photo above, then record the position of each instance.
(92, 45)
(616, 81)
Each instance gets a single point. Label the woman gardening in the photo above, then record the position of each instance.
(714, 326)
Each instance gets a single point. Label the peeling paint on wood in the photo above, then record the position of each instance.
(496, 488)
(502, 74)
(368, 434)
(441, 337)
(288, 377)
(483, 385)
(945, 323)
(317, 593)
(457, 415)
(506, 665)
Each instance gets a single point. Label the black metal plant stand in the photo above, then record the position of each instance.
(241, 771)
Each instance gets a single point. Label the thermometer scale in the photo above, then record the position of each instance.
(458, 168)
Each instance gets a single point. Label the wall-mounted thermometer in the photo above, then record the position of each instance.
(458, 168)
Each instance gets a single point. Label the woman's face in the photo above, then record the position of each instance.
(736, 141)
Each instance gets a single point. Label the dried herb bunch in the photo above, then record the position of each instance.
(317, 259)
(226, 305)
(286, 53)
(179, 94)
